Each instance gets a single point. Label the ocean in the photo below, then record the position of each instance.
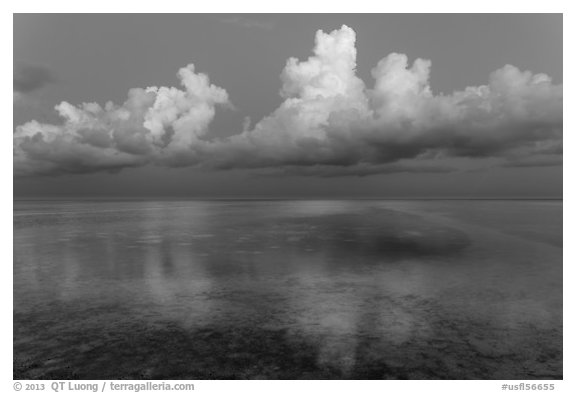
(287, 289)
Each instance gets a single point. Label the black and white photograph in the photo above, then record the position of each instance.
(288, 196)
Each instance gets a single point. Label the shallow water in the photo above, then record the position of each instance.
(288, 289)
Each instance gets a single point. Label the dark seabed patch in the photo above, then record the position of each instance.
(454, 347)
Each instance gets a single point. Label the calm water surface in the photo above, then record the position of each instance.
(288, 289)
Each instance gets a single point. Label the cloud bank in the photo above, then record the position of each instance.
(329, 122)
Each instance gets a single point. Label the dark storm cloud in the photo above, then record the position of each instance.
(329, 124)
(28, 78)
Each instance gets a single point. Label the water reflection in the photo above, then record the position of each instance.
(295, 289)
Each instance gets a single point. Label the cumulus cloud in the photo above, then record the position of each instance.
(156, 124)
(28, 78)
(328, 123)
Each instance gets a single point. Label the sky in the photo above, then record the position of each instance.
(288, 105)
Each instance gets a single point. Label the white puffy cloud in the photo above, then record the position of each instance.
(329, 119)
(154, 125)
